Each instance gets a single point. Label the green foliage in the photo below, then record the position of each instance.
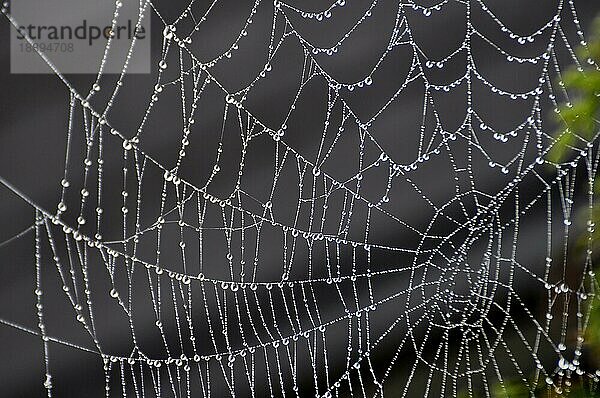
(593, 329)
(510, 390)
(579, 123)
(579, 117)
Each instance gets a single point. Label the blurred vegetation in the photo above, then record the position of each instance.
(578, 118)
(578, 124)
(578, 121)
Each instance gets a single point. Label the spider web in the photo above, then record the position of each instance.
(293, 245)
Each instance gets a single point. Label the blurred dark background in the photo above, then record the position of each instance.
(33, 129)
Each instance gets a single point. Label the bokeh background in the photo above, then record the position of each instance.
(33, 131)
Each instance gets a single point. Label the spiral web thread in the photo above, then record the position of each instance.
(298, 295)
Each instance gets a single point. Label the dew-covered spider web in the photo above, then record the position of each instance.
(319, 199)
